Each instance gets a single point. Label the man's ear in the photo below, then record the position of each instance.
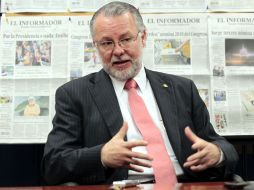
(143, 37)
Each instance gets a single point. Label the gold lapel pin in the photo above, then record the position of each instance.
(165, 85)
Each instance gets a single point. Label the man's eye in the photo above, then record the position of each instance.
(126, 40)
(106, 43)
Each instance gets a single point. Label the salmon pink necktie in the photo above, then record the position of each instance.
(162, 166)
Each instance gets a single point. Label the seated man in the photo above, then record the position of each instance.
(96, 137)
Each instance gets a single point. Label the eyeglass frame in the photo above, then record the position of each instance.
(98, 44)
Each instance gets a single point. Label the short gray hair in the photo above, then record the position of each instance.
(117, 8)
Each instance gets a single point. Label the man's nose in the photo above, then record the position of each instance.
(118, 50)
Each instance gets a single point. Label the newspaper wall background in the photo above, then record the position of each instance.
(231, 5)
(231, 45)
(33, 63)
(34, 6)
(40, 53)
(147, 6)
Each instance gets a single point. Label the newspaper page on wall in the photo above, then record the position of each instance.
(33, 63)
(231, 5)
(83, 57)
(177, 43)
(14, 6)
(145, 6)
(34, 46)
(27, 109)
(231, 42)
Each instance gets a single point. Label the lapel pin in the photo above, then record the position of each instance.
(165, 85)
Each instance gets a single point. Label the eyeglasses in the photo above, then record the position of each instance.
(124, 43)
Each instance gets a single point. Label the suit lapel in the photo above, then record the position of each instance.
(165, 97)
(105, 98)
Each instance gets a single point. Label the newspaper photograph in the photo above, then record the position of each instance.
(145, 6)
(174, 43)
(239, 52)
(83, 57)
(14, 6)
(34, 47)
(247, 102)
(231, 5)
(231, 44)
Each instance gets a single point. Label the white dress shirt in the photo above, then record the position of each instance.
(145, 91)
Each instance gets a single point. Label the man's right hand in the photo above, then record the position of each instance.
(118, 153)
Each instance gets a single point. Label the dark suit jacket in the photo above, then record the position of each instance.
(88, 115)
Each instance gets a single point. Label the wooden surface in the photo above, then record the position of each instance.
(181, 186)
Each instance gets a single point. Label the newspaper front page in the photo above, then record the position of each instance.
(231, 44)
(34, 47)
(33, 63)
(174, 43)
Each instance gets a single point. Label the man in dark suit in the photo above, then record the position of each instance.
(95, 140)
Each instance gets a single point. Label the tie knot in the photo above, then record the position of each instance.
(130, 83)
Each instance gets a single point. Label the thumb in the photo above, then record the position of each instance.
(190, 135)
(123, 131)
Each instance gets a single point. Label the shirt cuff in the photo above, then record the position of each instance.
(222, 158)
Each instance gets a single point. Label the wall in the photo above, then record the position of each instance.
(225, 88)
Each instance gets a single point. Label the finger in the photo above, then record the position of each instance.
(141, 163)
(198, 168)
(200, 145)
(188, 164)
(204, 161)
(123, 131)
(137, 162)
(198, 155)
(138, 155)
(135, 168)
(196, 162)
(190, 135)
(132, 144)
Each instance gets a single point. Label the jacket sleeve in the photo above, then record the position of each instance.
(204, 129)
(65, 158)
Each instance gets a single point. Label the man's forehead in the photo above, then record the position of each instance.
(102, 18)
(118, 24)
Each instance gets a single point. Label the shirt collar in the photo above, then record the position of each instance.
(140, 78)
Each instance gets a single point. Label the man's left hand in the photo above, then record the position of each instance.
(207, 155)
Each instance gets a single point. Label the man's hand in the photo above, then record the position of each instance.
(118, 153)
(207, 155)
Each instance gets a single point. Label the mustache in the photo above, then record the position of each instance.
(120, 59)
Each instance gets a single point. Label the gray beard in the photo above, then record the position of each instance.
(124, 74)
